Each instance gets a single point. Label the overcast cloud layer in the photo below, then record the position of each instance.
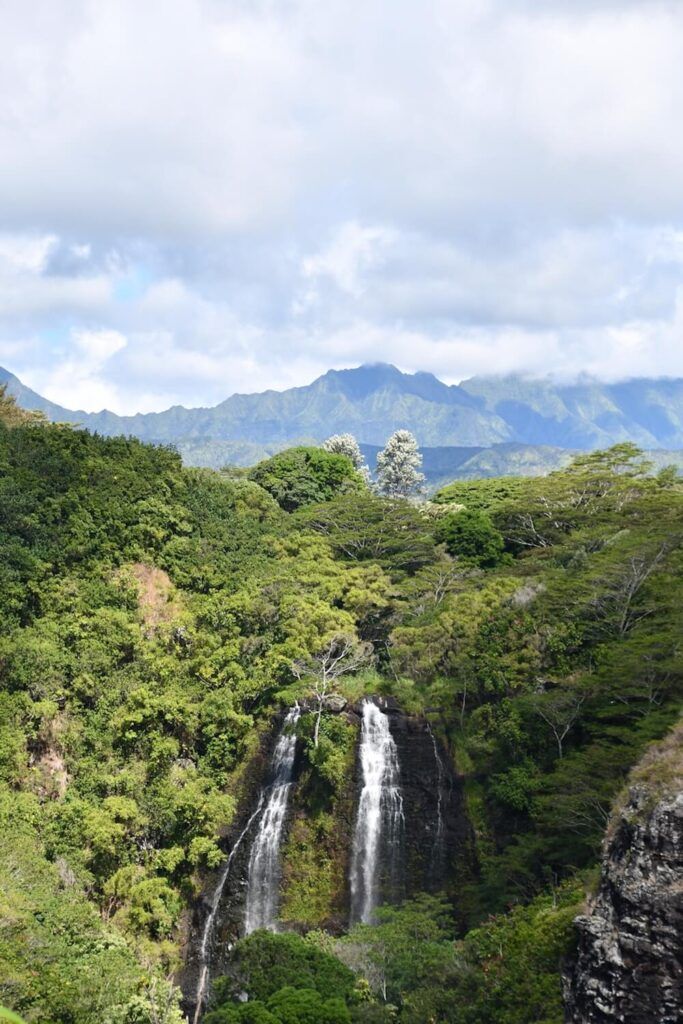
(206, 196)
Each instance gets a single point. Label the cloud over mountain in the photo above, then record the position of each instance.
(247, 193)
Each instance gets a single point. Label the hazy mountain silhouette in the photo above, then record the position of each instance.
(511, 413)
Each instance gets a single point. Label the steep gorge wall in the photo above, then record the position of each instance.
(629, 963)
(438, 835)
(316, 856)
(436, 854)
(437, 849)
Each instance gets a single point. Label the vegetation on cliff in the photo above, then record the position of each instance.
(626, 965)
(155, 618)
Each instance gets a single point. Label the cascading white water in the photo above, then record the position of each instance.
(379, 822)
(438, 847)
(263, 884)
(207, 934)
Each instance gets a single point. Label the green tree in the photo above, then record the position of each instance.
(306, 1006)
(369, 528)
(470, 535)
(306, 476)
(13, 415)
(246, 1013)
(406, 946)
(264, 962)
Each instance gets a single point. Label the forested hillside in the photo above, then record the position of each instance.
(158, 622)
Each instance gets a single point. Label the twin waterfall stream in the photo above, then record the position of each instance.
(264, 862)
(263, 886)
(377, 851)
(379, 822)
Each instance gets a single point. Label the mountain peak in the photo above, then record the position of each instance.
(362, 381)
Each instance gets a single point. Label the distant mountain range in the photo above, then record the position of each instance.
(483, 426)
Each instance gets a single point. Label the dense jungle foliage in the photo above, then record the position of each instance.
(155, 619)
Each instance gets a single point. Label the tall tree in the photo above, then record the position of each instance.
(11, 414)
(346, 444)
(306, 476)
(398, 466)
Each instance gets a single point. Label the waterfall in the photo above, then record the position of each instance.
(438, 847)
(379, 822)
(277, 795)
(207, 934)
(263, 884)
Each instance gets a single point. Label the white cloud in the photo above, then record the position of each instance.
(96, 347)
(354, 250)
(204, 196)
(236, 116)
(78, 381)
(21, 254)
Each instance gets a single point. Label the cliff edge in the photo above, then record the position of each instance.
(629, 963)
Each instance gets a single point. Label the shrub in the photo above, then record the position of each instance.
(306, 476)
(472, 537)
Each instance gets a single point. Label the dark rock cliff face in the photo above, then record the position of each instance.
(436, 852)
(629, 964)
(438, 835)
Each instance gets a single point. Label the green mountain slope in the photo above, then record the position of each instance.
(157, 620)
(373, 401)
(587, 414)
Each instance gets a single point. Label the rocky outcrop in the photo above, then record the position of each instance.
(629, 963)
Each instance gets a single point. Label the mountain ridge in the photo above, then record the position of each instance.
(373, 400)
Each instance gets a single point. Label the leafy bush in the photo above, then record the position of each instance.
(306, 476)
(264, 962)
(471, 536)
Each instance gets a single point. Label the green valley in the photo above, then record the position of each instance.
(190, 658)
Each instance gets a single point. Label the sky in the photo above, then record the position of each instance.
(202, 197)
